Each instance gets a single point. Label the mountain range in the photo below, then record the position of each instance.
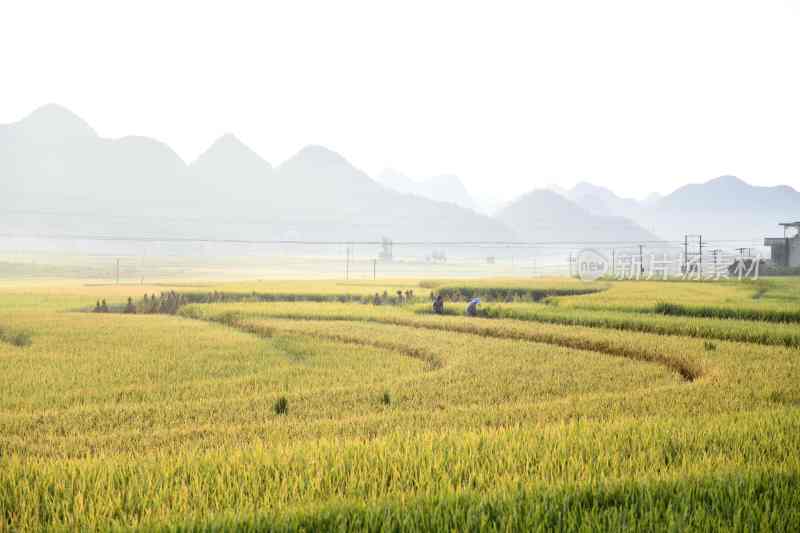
(442, 188)
(52, 162)
(57, 175)
(542, 212)
(723, 208)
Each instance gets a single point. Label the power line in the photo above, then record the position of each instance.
(202, 240)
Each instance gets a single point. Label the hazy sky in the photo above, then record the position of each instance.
(639, 96)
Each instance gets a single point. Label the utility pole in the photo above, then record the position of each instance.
(374, 268)
(118, 271)
(613, 261)
(641, 259)
(686, 254)
(347, 265)
(697, 266)
(700, 246)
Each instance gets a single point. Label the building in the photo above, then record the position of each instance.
(786, 250)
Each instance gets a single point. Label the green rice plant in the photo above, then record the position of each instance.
(511, 294)
(729, 329)
(14, 338)
(775, 302)
(281, 406)
(735, 313)
(666, 308)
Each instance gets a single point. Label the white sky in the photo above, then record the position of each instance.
(638, 96)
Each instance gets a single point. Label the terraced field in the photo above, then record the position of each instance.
(617, 405)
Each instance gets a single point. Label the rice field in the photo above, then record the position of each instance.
(324, 405)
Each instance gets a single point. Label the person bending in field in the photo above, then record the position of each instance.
(438, 305)
(472, 307)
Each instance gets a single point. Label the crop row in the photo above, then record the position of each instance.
(732, 502)
(777, 334)
(688, 366)
(744, 461)
(512, 294)
(735, 313)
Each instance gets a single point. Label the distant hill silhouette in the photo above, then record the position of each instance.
(52, 159)
(231, 176)
(442, 188)
(724, 208)
(53, 162)
(544, 215)
(651, 200)
(601, 201)
(727, 193)
(58, 176)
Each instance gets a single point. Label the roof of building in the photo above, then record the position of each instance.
(790, 224)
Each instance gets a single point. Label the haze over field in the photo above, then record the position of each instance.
(341, 127)
(638, 97)
(54, 162)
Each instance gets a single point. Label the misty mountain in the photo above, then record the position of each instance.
(544, 215)
(443, 188)
(318, 181)
(598, 200)
(601, 201)
(57, 175)
(53, 160)
(321, 185)
(651, 200)
(727, 193)
(724, 208)
(231, 175)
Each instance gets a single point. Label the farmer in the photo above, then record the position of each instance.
(472, 307)
(438, 305)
